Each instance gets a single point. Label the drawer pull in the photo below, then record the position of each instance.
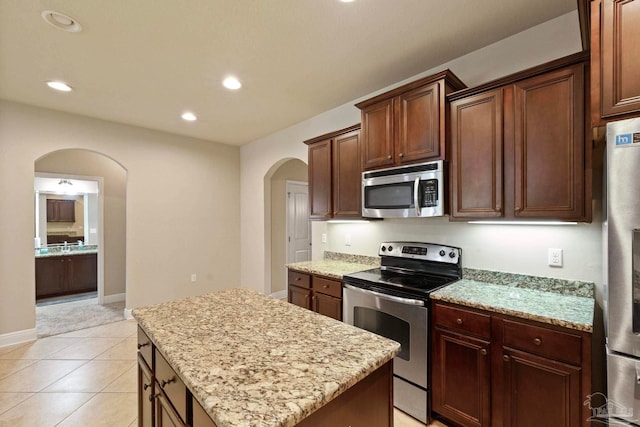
(325, 286)
(165, 382)
(537, 341)
(483, 352)
(459, 321)
(389, 157)
(142, 345)
(401, 154)
(153, 396)
(298, 278)
(506, 358)
(146, 386)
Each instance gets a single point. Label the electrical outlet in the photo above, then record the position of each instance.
(193, 278)
(555, 257)
(347, 239)
(324, 237)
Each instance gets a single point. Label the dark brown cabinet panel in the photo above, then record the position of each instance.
(550, 145)
(489, 369)
(461, 382)
(60, 210)
(317, 293)
(146, 391)
(335, 175)
(477, 156)
(60, 275)
(407, 124)
(615, 50)
(519, 148)
(166, 416)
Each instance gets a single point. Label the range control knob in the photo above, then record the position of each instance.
(383, 248)
(390, 248)
(441, 252)
(452, 254)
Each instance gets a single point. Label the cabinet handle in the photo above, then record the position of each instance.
(145, 386)
(297, 279)
(483, 352)
(142, 345)
(537, 341)
(401, 155)
(459, 321)
(389, 157)
(506, 358)
(165, 382)
(153, 396)
(325, 286)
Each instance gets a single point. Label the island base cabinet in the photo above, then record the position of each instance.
(539, 391)
(166, 416)
(146, 398)
(368, 403)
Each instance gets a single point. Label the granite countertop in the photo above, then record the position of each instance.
(72, 252)
(335, 265)
(570, 311)
(251, 360)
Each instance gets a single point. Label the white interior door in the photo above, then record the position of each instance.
(298, 225)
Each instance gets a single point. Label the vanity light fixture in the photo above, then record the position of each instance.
(61, 21)
(59, 86)
(65, 182)
(232, 83)
(189, 116)
(524, 222)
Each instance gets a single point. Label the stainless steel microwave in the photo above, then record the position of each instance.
(412, 191)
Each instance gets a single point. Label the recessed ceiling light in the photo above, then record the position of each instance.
(58, 85)
(189, 116)
(61, 21)
(232, 83)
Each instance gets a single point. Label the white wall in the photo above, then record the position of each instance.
(182, 207)
(551, 40)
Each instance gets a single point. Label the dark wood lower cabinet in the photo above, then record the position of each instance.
(299, 296)
(66, 274)
(146, 394)
(165, 414)
(494, 370)
(317, 293)
(327, 305)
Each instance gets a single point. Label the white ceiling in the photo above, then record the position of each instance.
(144, 62)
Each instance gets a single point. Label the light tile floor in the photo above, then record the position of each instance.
(81, 378)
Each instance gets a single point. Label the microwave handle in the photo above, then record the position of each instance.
(416, 195)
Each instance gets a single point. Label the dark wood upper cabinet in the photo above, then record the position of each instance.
(518, 146)
(335, 175)
(407, 124)
(615, 60)
(61, 210)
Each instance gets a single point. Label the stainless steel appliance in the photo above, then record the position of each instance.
(393, 301)
(404, 192)
(622, 246)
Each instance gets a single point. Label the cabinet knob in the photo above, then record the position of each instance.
(153, 396)
(537, 341)
(145, 386)
(325, 286)
(142, 345)
(401, 154)
(483, 352)
(459, 321)
(165, 382)
(506, 358)
(298, 279)
(389, 157)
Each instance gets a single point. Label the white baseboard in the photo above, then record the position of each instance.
(279, 295)
(127, 314)
(18, 337)
(108, 299)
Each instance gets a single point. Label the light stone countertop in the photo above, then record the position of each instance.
(72, 253)
(251, 360)
(333, 269)
(575, 312)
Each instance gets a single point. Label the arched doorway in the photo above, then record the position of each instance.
(278, 220)
(103, 231)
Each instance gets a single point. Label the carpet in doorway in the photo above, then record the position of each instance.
(61, 318)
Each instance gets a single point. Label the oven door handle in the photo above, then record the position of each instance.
(385, 296)
(416, 191)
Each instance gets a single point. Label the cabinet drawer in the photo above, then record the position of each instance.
(145, 347)
(542, 341)
(301, 280)
(172, 385)
(327, 286)
(462, 320)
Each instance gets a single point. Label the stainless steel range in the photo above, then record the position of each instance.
(393, 301)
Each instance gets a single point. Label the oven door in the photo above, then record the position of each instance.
(402, 320)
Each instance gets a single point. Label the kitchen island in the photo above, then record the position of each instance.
(250, 360)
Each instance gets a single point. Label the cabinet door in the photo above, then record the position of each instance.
(299, 296)
(166, 416)
(327, 305)
(146, 396)
(200, 416)
(320, 180)
(619, 56)
(59, 210)
(539, 391)
(418, 125)
(50, 276)
(477, 156)
(461, 378)
(377, 135)
(347, 176)
(549, 146)
(82, 273)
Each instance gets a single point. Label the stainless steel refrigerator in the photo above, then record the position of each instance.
(622, 266)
